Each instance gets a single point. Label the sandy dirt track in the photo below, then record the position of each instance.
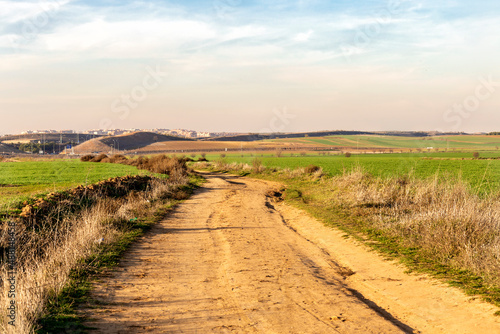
(230, 259)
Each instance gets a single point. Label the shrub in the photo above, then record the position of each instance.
(118, 159)
(347, 154)
(312, 169)
(141, 162)
(278, 153)
(203, 155)
(475, 155)
(257, 165)
(303, 154)
(223, 155)
(163, 164)
(86, 158)
(99, 158)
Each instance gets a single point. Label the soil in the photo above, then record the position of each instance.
(218, 146)
(233, 259)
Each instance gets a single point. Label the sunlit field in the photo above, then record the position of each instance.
(19, 180)
(482, 174)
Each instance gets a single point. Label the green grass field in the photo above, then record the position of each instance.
(469, 142)
(19, 180)
(482, 175)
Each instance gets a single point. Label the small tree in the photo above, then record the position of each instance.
(347, 154)
(278, 153)
(223, 155)
(475, 155)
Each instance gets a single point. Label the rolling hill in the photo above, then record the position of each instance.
(128, 142)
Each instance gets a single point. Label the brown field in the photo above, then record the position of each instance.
(143, 142)
(215, 145)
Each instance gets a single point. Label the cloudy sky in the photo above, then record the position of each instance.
(242, 65)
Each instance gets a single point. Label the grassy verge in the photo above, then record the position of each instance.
(62, 315)
(440, 228)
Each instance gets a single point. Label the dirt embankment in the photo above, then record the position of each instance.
(231, 259)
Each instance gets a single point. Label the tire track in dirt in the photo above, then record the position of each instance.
(227, 260)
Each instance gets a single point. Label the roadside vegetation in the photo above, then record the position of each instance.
(160, 164)
(65, 237)
(440, 223)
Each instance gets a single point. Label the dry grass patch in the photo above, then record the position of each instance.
(444, 218)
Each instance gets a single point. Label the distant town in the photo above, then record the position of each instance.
(117, 132)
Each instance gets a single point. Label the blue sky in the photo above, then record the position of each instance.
(231, 65)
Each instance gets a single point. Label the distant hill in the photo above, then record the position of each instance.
(51, 137)
(128, 142)
(6, 149)
(262, 136)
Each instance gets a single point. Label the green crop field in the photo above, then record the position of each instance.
(19, 180)
(470, 142)
(482, 175)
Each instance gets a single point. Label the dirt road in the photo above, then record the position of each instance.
(231, 260)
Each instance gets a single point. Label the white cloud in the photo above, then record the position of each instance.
(15, 11)
(304, 36)
(245, 32)
(125, 39)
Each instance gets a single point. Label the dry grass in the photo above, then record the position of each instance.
(161, 164)
(57, 244)
(445, 218)
(311, 173)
